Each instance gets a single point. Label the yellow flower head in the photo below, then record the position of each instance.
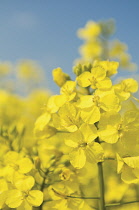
(90, 31)
(109, 66)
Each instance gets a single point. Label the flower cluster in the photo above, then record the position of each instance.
(53, 148)
(98, 44)
(87, 124)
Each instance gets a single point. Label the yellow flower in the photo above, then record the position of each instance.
(15, 163)
(3, 192)
(91, 105)
(96, 79)
(129, 169)
(88, 52)
(42, 126)
(125, 88)
(15, 198)
(113, 127)
(109, 66)
(84, 147)
(23, 192)
(90, 31)
(67, 118)
(68, 93)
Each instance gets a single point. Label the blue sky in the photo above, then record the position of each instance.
(45, 30)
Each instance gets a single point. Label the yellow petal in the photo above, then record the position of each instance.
(128, 176)
(3, 185)
(42, 121)
(132, 162)
(89, 132)
(3, 197)
(110, 102)
(11, 157)
(73, 139)
(25, 165)
(68, 88)
(98, 72)
(90, 115)
(60, 100)
(85, 102)
(109, 66)
(109, 118)
(104, 84)
(94, 152)
(84, 79)
(35, 198)
(78, 158)
(109, 134)
(120, 163)
(71, 143)
(24, 183)
(129, 85)
(51, 105)
(14, 198)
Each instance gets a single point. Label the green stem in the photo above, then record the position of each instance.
(120, 203)
(101, 186)
(68, 196)
(105, 55)
(42, 186)
(72, 196)
(137, 191)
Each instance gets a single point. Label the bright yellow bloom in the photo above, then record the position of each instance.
(61, 201)
(23, 192)
(96, 79)
(15, 163)
(90, 31)
(68, 93)
(84, 147)
(109, 66)
(42, 122)
(125, 88)
(16, 197)
(129, 169)
(3, 192)
(67, 118)
(91, 105)
(113, 127)
(88, 52)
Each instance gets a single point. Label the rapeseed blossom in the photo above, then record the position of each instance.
(54, 148)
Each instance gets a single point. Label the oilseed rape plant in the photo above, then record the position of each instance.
(99, 44)
(76, 150)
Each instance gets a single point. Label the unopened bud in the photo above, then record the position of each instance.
(37, 163)
(60, 77)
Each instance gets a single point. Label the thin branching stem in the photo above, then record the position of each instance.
(72, 196)
(120, 203)
(101, 186)
(68, 196)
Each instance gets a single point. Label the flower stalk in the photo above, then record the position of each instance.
(101, 186)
